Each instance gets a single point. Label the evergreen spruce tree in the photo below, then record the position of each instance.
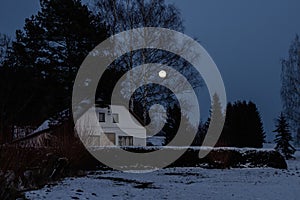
(42, 63)
(55, 42)
(212, 124)
(243, 126)
(216, 118)
(283, 138)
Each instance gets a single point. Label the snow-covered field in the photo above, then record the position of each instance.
(181, 183)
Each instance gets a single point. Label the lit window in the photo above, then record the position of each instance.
(115, 118)
(110, 138)
(125, 141)
(101, 117)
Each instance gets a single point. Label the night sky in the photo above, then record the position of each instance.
(246, 39)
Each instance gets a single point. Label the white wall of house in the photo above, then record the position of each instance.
(116, 127)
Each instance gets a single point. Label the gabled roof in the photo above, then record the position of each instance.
(32, 135)
(105, 105)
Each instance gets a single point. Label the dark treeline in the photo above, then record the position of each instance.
(243, 126)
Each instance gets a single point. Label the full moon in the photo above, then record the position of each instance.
(162, 74)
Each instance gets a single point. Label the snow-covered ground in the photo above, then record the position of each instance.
(181, 183)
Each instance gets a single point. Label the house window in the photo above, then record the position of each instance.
(125, 141)
(111, 137)
(101, 117)
(115, 118)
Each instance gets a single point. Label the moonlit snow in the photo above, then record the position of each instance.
(181, 183)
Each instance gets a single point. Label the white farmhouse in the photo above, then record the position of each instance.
(116, 127)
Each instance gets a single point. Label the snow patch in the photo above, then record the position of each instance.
(180, 183)
(42, 127)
